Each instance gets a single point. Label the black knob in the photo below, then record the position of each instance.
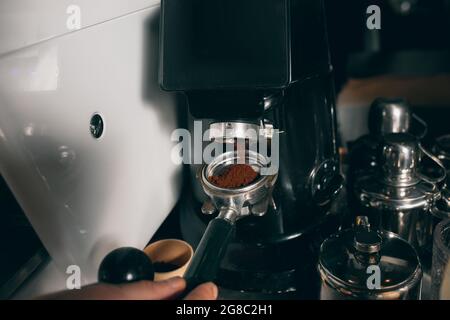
(125, 265)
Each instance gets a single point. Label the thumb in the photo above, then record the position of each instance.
(205, 291)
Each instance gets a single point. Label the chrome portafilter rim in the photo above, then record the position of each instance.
(238, 202)
(252, 158)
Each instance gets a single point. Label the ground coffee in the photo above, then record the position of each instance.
(235, 176)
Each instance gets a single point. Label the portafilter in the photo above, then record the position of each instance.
(232, 204)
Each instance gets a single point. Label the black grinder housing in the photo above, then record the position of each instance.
(246, 61)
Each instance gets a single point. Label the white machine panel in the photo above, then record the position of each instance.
(87, 196)
(25, 22)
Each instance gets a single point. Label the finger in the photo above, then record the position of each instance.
(149, 290)
(206, 291)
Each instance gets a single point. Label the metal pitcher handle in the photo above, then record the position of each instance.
(436, 160)
(423, 124)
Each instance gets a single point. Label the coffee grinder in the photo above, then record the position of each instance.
(262, 65)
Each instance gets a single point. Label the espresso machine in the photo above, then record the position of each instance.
(261, 65)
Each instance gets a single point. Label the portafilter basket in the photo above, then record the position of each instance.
(232, 204)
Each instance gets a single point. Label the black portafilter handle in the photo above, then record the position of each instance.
(210, 251)
(125, 265)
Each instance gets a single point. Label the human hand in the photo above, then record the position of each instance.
(142, 290)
